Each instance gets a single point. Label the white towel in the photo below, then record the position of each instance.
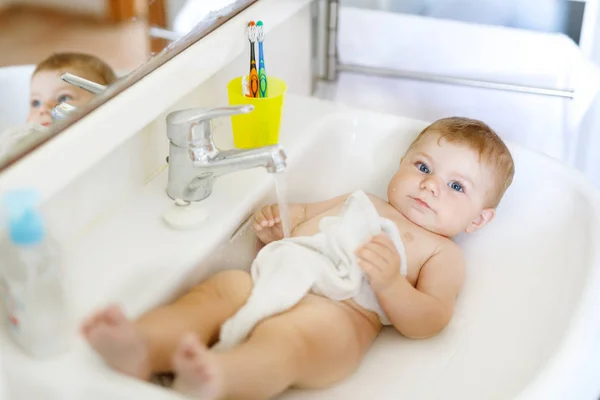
(285, 271)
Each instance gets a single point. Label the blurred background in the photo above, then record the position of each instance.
(117, 31)
(564, 16)
(529, 68)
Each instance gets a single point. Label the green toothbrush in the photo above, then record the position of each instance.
(262, 72)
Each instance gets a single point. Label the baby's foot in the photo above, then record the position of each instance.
(196, 370)
(114, 337)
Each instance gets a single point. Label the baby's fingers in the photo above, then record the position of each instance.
(276, 215)
(271, 215)
(369, 268)
(260, 221)
(384, 240)
(386, 247)
(370, 255)
(269, 218)
(257, 226)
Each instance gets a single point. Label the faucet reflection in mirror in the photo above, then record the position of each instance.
(195, 162)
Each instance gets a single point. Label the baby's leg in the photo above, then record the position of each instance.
(140, 348)
(316, 344)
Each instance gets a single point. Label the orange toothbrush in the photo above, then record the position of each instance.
(252, 37)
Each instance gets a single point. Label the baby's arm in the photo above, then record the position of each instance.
(424, 310)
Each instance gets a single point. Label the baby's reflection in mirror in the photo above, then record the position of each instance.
(47, 89)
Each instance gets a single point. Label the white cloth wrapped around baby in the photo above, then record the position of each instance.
(286, 270)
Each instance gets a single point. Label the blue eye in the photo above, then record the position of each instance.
(63, 98)
(456, 186)
(35, 103)
(423, 168)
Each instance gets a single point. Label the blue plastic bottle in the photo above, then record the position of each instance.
(35, 298)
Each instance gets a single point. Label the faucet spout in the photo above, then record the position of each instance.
(272, 158)
(206, 170)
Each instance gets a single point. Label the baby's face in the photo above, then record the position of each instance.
(47, 90)
(442, 187)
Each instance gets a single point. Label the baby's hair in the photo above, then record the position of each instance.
(86, 63)
(480, 137)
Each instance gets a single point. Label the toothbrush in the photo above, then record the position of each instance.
(253, 73)
(262, 72)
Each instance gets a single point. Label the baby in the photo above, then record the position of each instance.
(450, 180)
(48, 89)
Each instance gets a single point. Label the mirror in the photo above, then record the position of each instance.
(62, 59)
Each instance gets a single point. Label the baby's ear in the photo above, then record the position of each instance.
(485, 216)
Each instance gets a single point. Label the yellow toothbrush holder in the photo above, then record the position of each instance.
(261, 126)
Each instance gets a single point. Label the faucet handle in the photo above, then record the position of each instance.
(192, 127)
(197, 115)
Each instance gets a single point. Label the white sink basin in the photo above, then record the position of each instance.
(74, 376)
(526, 322)
(529, 276)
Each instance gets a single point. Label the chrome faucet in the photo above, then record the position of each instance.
(195, 162)
(63, 110)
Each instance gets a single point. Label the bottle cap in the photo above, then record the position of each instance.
(25, 224)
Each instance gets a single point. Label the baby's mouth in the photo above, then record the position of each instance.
(422, 203)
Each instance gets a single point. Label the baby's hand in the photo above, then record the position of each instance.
(267, 224)
(380, 261)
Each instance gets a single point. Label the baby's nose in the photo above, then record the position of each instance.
(45, 108)
(431, 184)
